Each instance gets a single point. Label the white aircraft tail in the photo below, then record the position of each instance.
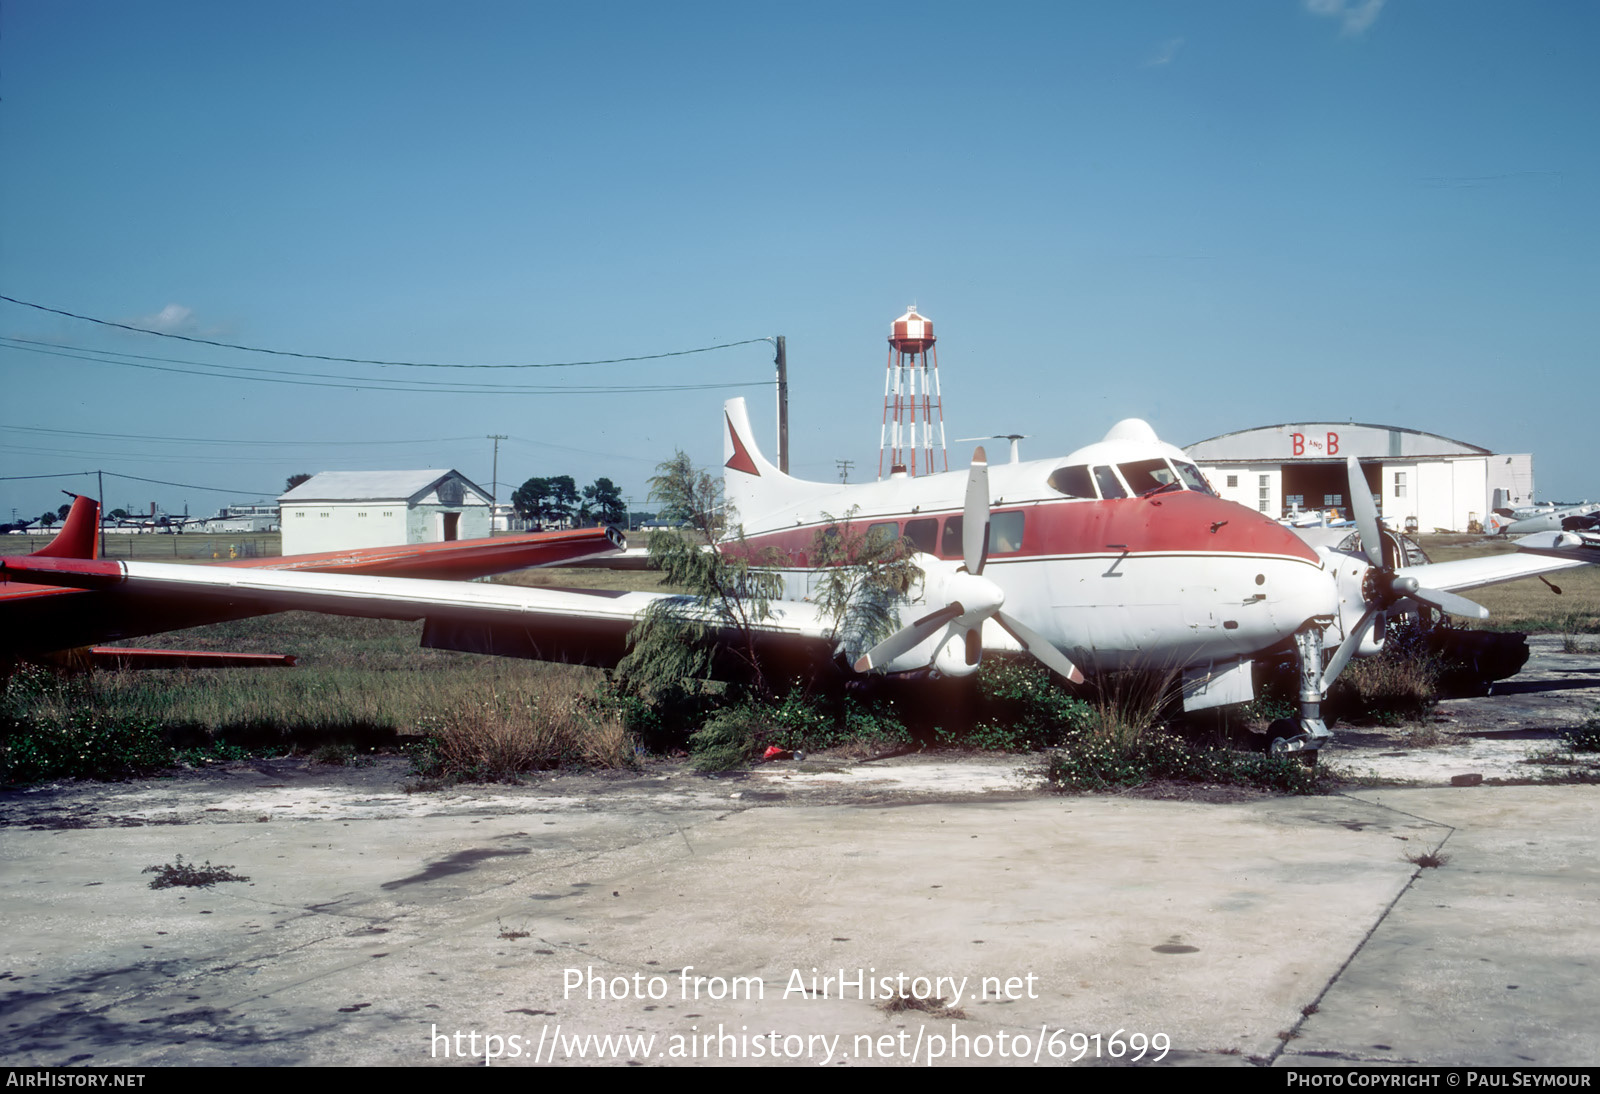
(752, 486)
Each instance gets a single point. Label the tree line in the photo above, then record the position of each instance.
(557, 499)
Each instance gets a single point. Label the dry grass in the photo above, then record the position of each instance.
(549, 723)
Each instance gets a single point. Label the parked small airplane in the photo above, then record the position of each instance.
(1541, 518)
(1118, 555)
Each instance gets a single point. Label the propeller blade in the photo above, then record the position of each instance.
(907, 638)
(1346, 650)
(975, 521)
(1449, 602)
(1040, 646)
(1365, 513)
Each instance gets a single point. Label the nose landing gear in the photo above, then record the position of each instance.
(1304, 736)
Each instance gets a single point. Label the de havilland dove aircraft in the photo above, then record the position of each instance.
(1117, 555)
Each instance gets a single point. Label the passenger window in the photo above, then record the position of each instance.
(881, 535)
(1005, 533)
(1074, 481)
(950, 545)
(1106, 480)
(923, 534)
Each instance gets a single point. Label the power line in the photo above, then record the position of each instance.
(358, 383)
(219, 440)
(367, 360)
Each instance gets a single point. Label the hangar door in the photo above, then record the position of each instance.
(1325, 485)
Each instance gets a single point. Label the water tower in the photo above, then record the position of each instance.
(911, 402)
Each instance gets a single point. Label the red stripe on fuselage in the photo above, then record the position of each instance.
(1181, 522)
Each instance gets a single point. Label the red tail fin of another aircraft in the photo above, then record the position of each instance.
(77, 538)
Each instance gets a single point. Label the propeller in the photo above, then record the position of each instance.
(972, 597)
(1383, 584)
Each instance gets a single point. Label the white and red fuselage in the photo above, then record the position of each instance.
(1119, 553)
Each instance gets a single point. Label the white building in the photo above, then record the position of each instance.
(1419, 480)
(338, 510)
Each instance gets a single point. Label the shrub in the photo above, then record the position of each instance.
(1022, 708)
(505, 736)
(1103, 762)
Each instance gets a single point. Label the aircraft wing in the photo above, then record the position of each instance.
(1541, 553)
(39, 618)
(580, 626)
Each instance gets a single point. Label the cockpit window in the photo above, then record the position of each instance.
(1106, 479)
(1192, 479)
(1148, 476)
(1074, 481)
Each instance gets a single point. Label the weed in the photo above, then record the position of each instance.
(1093, 763)
(1309, 1009)
(937, 1006)
(1428, 860)
(1585, 736)
(506, 735)
(508, 933)
(187, 874)
(1022, 708)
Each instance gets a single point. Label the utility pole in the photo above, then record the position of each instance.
(782, 362)
(100, 477)
(494, 481)
(844, 467)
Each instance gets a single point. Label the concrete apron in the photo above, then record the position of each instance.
(377, 941)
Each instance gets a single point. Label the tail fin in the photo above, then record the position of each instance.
(754, 488)
(77, 538)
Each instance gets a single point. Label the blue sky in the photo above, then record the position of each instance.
(1210, 215)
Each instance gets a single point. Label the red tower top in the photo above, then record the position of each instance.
(911, 333)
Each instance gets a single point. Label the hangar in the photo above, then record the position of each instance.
(1420, 481)
(339, 510)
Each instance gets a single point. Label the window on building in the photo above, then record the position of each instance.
(1399, 484)
(322, 514)
(1233, 480)
(1295, 500)
(1333, 501)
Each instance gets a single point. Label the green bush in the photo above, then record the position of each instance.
(1022, 708)
(1092, 762)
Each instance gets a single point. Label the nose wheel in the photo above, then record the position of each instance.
(1304, 736)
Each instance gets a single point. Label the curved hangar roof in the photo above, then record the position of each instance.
(1327, 441)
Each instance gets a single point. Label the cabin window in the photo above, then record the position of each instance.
(923, 534)
(1074, 481)
(1005, 534)
(884, 533)
(1106, 480)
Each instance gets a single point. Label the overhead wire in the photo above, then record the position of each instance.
(358, 383)
(371, 360)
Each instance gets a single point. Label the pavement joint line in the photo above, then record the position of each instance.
(1294, 1029)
